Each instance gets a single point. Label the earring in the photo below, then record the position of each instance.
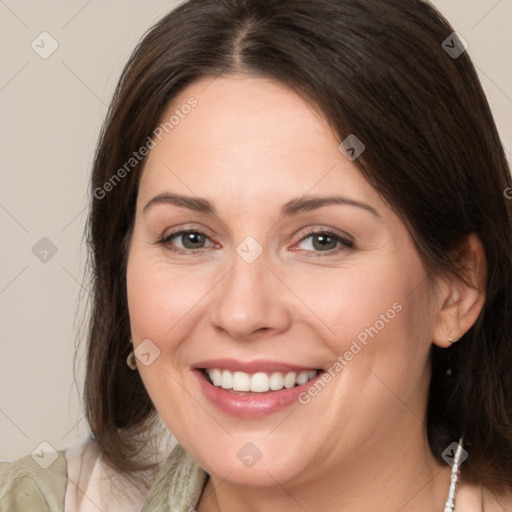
(450, 503)
(449, 370)
(130, 360)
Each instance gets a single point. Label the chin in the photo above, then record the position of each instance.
(248, 463)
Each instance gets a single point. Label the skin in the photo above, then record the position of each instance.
(250, 146)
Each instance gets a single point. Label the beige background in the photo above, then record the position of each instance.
(52, 110)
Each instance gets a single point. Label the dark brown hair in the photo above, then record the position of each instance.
(373, 68)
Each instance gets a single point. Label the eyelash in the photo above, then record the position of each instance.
(164, 242)
(345, 243)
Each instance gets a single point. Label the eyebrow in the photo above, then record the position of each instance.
(301, 204)
(192, 203)
(293, 207)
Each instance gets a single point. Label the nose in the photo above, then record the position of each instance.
(250, 301)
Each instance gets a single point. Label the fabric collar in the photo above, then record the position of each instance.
(178, 485)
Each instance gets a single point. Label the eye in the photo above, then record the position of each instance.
(324, 241)
(186, 240)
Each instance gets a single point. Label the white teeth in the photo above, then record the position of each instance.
(260, 382)
(241, 381)
(289, 380)
(216, 376)
(276, 381)
(226, 380)
(302, 378)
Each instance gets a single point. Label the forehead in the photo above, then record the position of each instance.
(246, 137)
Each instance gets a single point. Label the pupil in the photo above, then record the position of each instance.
(323, 242)
(193, 240)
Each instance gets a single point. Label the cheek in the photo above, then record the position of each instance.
(160, 298)
(393, 334)
(373, 317)
(161, 307)
(355, 303)
(378, 345)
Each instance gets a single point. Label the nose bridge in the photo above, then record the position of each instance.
(248, 300)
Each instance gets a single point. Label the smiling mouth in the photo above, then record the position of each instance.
(259, 382)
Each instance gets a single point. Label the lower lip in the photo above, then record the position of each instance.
(251, 405)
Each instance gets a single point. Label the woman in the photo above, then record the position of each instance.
(301, 254)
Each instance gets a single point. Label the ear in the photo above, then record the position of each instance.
(460, 302)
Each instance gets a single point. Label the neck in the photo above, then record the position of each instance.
(398, 475)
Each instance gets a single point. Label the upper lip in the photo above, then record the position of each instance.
(255, 366)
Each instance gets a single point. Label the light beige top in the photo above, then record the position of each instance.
(79, 481)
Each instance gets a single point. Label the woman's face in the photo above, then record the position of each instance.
(292, 268)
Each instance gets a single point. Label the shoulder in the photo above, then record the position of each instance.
(35, 485)
(93, 480)
(497, 501)
(475, 497)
